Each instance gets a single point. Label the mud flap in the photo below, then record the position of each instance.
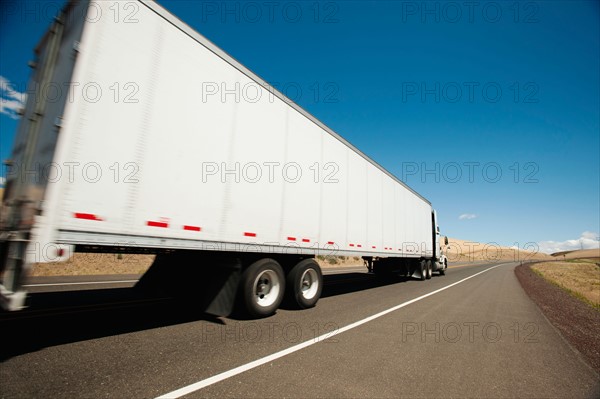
(205, 282)
(417, 270)
(14, 270)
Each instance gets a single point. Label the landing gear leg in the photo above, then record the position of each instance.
(368, 261)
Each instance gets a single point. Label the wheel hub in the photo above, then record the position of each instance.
(263, 288)
(266, 288)
(309, 284)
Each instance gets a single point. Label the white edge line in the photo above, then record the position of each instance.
(259, 362)
(81, 283)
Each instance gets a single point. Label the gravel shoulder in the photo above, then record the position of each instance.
(577, 321)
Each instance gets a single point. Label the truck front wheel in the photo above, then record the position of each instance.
(305, 284)
(443, 268)
(262, 287)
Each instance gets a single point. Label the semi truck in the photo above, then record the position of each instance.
(139, 135)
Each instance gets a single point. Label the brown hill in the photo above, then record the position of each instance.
(465, 251)
(578, 254)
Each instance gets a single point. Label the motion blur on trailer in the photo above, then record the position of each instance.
(236, 195)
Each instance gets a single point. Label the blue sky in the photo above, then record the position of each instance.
(501, 86)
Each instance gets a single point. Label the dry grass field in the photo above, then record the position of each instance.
(339, 261)
(83, 264)
(581, 278)
(468, 251)
(579, 254)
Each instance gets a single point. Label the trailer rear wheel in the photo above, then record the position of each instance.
(423, 270)
(262, 287)
(305, 284)
(429, 269)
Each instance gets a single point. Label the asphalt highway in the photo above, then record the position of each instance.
(473, 332)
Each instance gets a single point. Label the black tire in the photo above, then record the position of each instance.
(423, 270)
(304, 284)
(429, 269)
(262, 287)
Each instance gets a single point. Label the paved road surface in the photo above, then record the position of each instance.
(481, 337)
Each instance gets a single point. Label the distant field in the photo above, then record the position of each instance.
(465, 251)
(339, 261)
(579, 254)
(84, 264)
(581, 278)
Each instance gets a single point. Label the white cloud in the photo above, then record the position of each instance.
(588, 240)
(2, 181)
(589, 234)
(10, 99)
(467, 216)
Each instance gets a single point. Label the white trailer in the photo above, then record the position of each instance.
(142, 136)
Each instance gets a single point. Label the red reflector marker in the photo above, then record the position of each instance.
(330, 243)
(351, 245)
(360, 246)
(373, 247)
(87, 216)
(305, 240)
(246, 234)
(157, 224)
(291, 238)
(192, 228)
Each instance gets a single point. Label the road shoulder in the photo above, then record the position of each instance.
(577, 321)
